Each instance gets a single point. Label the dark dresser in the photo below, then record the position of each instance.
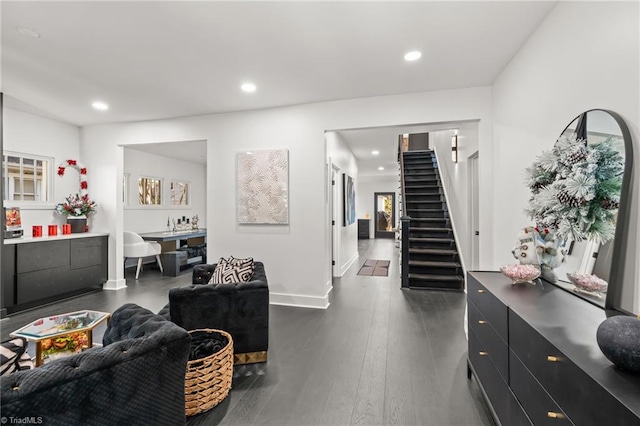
(533, 351)
(363, 229)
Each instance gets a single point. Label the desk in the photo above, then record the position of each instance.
(172, 257)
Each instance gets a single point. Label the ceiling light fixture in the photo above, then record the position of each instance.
(248, 87)
(28, 32)
(100, 106)
(375, 152)
(380, 168)
(414, 55)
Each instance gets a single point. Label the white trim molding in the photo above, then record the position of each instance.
(115, 284)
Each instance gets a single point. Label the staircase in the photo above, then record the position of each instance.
(434, 262)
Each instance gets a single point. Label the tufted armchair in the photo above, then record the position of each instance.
(240, 309)
(137, 378)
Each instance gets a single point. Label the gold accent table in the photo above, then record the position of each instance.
(62, 335)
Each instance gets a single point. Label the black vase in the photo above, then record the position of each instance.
(78, 224)
(619, 340)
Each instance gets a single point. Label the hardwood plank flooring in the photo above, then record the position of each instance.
(378, 355)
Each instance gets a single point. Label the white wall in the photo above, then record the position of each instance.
(28, 133)
(339, 155)
(455, 181)
(154, 218)
(584, 55)
(295, 256)
(367, 187)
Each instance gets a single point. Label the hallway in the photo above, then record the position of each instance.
(377, 355)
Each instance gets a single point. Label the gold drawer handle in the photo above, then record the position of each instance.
(552, 358)
(482, 353)
(554, 415)
(482, 322)
(480, 291)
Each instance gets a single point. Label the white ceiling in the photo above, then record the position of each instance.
(153, 60)
(190, 151)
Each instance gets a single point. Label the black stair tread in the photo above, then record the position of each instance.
(420, 194)
(419, 186)
(424, 201)
(434, 264)
(430, 277)
(429, 219)
(432, 240)
(432, 251)
(428, 229)
(410, 209)
(419, 172)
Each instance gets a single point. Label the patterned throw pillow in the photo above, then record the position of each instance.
(232, 271)
(14, 356)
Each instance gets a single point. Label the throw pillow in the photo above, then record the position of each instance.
(238, 261)
(229, 273)
(14, 356)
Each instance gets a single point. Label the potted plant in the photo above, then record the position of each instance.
(76, 208)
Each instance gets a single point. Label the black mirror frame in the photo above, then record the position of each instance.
(613, 301)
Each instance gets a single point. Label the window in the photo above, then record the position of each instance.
(179, 193)
(150, 191)
(26, 177)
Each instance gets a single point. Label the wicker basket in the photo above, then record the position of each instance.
(208, 379)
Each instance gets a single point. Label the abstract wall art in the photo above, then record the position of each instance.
(349, 203)
(263, 187)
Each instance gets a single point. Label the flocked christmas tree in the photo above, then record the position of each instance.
(576, 189)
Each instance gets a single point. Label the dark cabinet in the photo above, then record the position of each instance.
(38, 272)
(363, 229)
(540, 343)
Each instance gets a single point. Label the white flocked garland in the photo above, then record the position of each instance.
(83, 175)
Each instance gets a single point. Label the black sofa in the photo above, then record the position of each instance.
(240, 309)
(136, 378)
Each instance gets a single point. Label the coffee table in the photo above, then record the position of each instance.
(62, 335)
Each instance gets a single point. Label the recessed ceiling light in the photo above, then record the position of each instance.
(101, 106)
(375, 152)
(28, 32)
(414, 55)
(380, 168)
(248, 87)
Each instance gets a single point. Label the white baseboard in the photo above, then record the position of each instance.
(348, 264)
(115, 284)
(298, 300)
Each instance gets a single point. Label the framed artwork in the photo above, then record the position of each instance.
(262, 179)
(149, 191)
(349, 204)
(178, 193)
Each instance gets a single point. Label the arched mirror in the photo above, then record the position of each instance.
(605, 260)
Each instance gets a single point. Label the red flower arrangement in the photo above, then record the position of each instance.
(79, 204)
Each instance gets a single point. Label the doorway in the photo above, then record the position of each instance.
(385, 214)
(474, 209)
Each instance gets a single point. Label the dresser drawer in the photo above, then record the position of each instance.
(493, 344)
(583, 399)
(501, 399)
(489, 306)
(540, 407)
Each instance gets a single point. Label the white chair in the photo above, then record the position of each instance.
(135, 246)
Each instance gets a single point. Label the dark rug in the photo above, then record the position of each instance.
(375, 268)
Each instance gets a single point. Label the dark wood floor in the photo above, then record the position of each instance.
(378, 356)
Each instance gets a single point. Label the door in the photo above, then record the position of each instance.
(474, 209)
(384, 221)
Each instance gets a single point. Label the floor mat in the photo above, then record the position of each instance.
(375, 268)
